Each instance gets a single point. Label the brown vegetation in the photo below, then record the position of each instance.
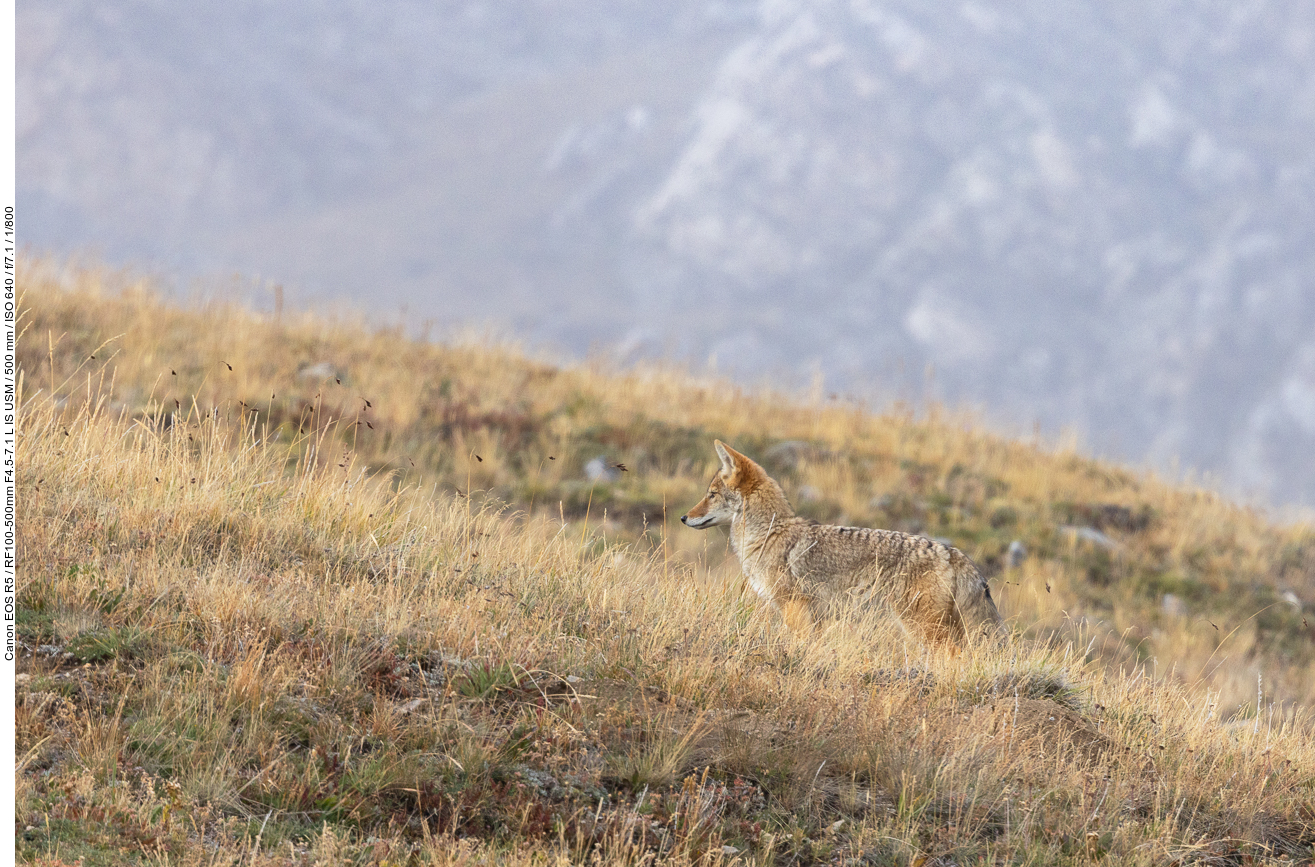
(298, 592)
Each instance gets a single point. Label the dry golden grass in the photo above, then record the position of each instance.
(260, 632)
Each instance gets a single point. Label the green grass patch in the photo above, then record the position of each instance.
(101, 645)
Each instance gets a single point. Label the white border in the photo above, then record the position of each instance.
(8, 442)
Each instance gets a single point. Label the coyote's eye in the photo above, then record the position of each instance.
(712, 495)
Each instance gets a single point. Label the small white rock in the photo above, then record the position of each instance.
(1016, 554)
(1092, 535)
(323, 370)
(599, 470)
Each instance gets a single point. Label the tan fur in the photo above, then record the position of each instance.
(805, 569)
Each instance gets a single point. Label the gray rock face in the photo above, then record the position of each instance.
(1095, 215)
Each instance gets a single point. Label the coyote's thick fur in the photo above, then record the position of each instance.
(803, 567)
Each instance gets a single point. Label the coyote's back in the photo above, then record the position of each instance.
(806, 569)
(934, 589)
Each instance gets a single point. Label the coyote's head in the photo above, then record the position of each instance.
(725, 497)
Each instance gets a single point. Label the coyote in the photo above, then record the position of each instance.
(803, 568)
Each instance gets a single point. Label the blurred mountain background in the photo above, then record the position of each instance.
(1093, 214)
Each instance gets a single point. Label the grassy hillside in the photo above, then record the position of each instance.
(292, 591)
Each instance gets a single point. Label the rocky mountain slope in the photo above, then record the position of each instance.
(1080, 214)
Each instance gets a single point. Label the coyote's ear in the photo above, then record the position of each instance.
(730, 458)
